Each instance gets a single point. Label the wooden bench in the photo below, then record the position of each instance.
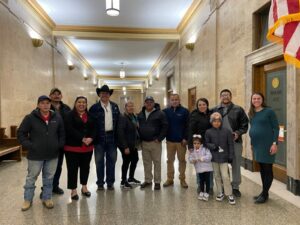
(10, 149)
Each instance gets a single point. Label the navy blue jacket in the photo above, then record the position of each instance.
(177, 123)
(97, 112)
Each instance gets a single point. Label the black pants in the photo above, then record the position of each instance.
(77, 161)
(266, 173)
(58, 168)
(204, 181)
(132, 158)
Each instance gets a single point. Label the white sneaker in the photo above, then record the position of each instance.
(200, 196)
(231, 200)
(205, 197)
(220, 197)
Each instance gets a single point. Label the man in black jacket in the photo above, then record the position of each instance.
(59, 107)
(42, 133)
(153, 126)
(236, 120)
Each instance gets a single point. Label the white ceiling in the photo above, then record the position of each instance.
(106, 56)
(133, 13)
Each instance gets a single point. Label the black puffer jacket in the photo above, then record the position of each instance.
(198, 124)
(155, 127)
(221, 137)
(41, 140)
(127, 132)
(237, 118)
(76, 129)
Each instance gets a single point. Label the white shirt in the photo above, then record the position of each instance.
(148, 113)
(108, 118)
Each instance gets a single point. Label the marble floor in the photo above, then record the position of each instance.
(172, 205)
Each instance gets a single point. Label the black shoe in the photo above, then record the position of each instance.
(86, 194)
(133, 181)
(261, 199)
(58, 190)
(41, 194)
(157, 186)
(145, 184)
(256, 197)
(236, 193)
(100, 187)
(110, 187)
(125, 185)
(75, 197)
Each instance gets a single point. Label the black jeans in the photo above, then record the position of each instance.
(266, 173)
(58, 169)
(77, 161)
(204, 181)
(132, 158)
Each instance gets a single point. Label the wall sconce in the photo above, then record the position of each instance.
(190, 46)
(37, 42)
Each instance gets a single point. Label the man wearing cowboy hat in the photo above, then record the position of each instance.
(107, 113)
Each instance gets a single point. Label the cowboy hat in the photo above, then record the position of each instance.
(104, 88)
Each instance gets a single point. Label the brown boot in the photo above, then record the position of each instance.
(168, 183)
(48, 203)
(183, 184)
(26, 205)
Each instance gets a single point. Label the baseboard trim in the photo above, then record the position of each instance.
(293, 185)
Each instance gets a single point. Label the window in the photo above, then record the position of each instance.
(260, 20)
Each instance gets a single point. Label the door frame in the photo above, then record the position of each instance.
(192, 101)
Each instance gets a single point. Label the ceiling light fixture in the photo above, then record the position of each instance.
(124, 88)
(122, 71)
(113, 7)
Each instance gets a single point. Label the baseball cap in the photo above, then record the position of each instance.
(43, 97)
(149, 98)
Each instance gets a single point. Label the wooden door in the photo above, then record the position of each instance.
(192, 98)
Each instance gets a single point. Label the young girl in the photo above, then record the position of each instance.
(201, 158)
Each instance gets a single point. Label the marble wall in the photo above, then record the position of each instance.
(27, 72)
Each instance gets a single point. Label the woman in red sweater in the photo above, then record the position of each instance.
(80, 133)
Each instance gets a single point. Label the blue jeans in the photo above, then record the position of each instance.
(109, 150)
(48, 168)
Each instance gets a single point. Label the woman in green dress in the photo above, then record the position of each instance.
(264, 139)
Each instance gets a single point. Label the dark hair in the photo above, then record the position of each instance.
(202, 100)
(198, 137)
(226, 90)
(79, 97)
(251, 112)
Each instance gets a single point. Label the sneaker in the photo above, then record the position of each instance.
(236, 193)
(200, 196)
(220, 197)
(157, 186)
(100, 187)
(134, 181)
(168, 183)
(58, 190)
(48, 203)
(205, 197)
(146, 184)
(26, 205)
(231, 200)
(125, 185)
(183, 184)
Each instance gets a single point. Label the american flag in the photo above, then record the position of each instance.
(284, 28)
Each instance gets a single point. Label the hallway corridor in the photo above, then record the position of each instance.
(172, 205)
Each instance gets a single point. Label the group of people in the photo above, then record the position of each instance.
(212, 137)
